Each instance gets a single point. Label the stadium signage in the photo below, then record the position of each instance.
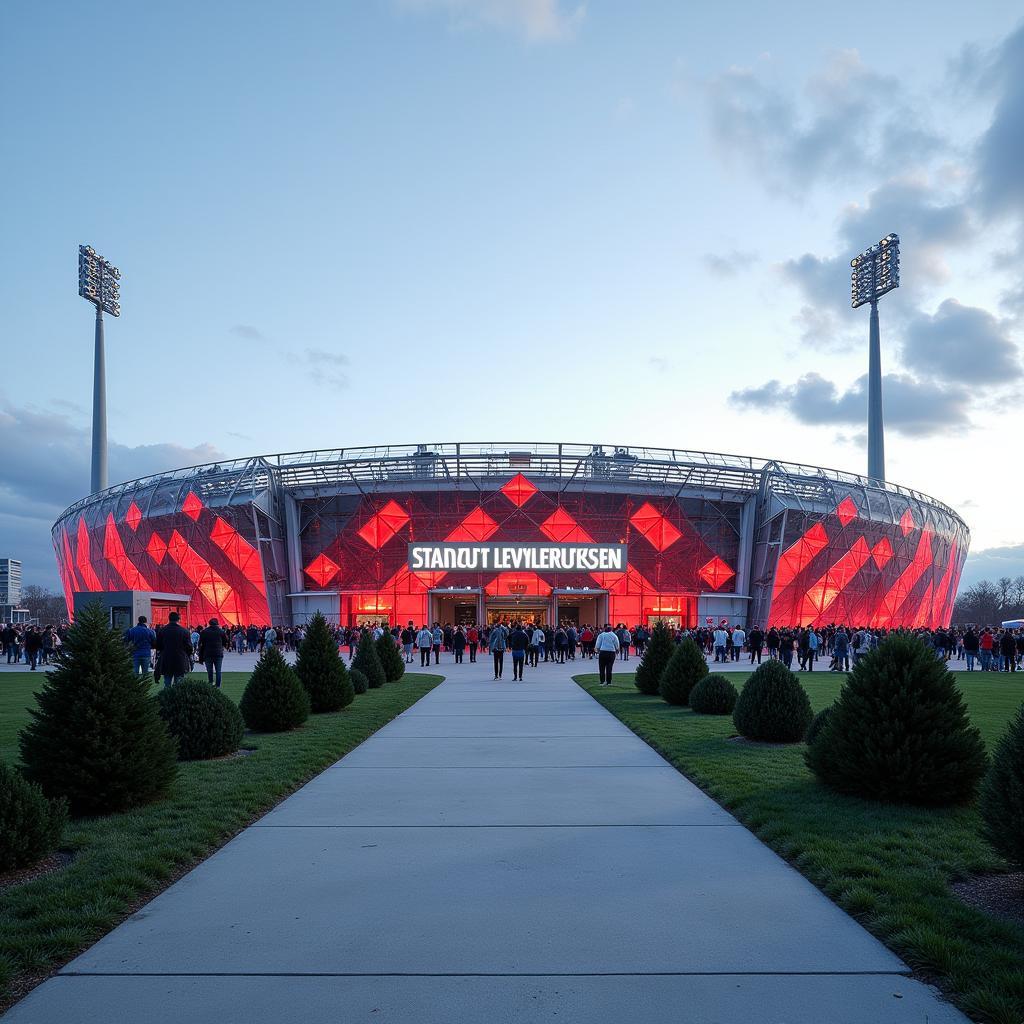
(449, 557)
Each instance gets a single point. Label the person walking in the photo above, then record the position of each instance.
(1008, 652)
(473, 639)
(33, 645)
(518, 641)
(739, 638)
(408, 639)
(536, 643)
(174, 647)
(607, 647)
(625, 639)
(141, 639)
(841, 651)
(496, 640)
(425, 642)
(438, 639)
(755, 644)
(458, 644)
(211, 651)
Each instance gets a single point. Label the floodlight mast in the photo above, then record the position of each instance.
(98, 284)
(875, 272)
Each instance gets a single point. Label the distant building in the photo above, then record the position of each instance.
(10, 581)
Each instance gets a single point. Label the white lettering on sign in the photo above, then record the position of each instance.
(452, 557)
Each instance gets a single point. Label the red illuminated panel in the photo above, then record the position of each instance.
(242, 555)
(512, 584)
(133, 516)
(882, 553)
(89, 577)
(715, 573)
(562, 528)
(798, 556)
(383, 525)
(621, 583)
(114, 553)
(886, 612)
(820, 597)
(907, 523)
(847, 510)
(477, 525)
(157, 548)
(652, 525)
(942, 592)
(322, 570)
(192, 506)
(519, 490)
(67, 573)
(214, 589)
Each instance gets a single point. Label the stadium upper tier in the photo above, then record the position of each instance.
(708, 534)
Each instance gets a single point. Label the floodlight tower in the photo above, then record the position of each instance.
(97, 282)
(875, 272)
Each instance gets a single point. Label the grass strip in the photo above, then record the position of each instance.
(123, 860)
(887, 865)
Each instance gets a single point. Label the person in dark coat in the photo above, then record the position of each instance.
(211, 650)
(174, 644)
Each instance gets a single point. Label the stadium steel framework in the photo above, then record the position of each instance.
(710, 536)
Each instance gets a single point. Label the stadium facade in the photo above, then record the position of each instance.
(459, 532)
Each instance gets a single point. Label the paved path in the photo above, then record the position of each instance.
(498, 853)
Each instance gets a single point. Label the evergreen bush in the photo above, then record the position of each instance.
(96, 735)
(204, 721)
(713, 695)
(1001, 801)
(818, 723)
(685, 669)
(321, 670)
(660, 648)
(360, 684)
(367, 660)
(899, 730)
(30, 825)
(391, 659)
(274, 700)
(773, 707)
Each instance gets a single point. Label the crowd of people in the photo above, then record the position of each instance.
(530, 643)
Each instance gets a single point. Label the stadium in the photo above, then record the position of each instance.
(481, 532)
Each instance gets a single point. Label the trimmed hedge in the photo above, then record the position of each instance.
(713, 695)
(685, 669)
(204, 721)
(899, 730)
(360, 684)
(656, 656)
(1001, 801)
(274, 700)
(30, 825)
(818, 723)
(96, 736)
(391, 659)
(321, 670)
(773, 707)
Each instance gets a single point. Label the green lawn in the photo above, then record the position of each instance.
(124, 859)
(887, 865)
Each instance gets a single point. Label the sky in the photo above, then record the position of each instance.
(404, 221)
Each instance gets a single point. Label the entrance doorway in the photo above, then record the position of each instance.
(506, 613)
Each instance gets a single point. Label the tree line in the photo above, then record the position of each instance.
(986, 602)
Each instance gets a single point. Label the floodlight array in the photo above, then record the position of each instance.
(875, 271)
(98, 281)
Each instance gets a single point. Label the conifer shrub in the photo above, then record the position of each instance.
(660, 648)
(367, 660)
(899, 730)
(773, 707)
(685, 669)
(713, 695)
(96, 737)
(360, 684)
(391, 659)
(30, 825)
(1001, 801)
(204, 721)
(321, 670)
(274, 700)
(818, 723)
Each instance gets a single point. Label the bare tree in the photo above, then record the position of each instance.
(44, 605)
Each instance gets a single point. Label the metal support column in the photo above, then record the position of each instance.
(99, 410)
(876, 438)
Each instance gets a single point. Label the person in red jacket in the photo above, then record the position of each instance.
(985, 645)
(473, 639)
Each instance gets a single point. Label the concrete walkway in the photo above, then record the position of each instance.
(499, 853)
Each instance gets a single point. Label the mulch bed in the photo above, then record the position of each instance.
(1001, 896)
(55, 862)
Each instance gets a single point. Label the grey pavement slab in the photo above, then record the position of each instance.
(498, 796)
(643, 900)
(507, 708)
(503, 752)
(707, 999)
(426, 726)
